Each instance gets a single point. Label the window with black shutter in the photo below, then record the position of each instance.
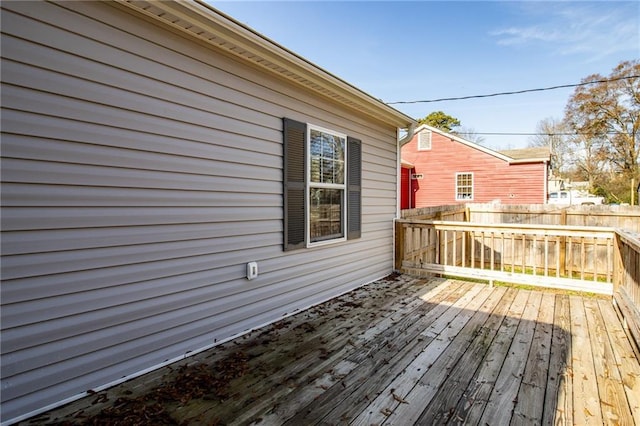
(322, 186)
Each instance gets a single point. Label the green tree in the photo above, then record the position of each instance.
(440, 120)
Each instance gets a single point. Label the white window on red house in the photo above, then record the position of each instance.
(464, 186)
(424, 140)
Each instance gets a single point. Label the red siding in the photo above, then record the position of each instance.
(493, 178)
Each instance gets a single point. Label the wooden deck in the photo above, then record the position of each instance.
(399, 351)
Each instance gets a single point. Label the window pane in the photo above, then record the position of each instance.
(325, 213)
(328, 146)
(464, 186)
(315, 169)
(327, 171)
(315, 143)
(338, 169)
(327, 157)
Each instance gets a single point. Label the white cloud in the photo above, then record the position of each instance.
(594, 30)
(518, 36)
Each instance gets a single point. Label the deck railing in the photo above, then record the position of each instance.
(553, 256)
(626, 295)
(592, 259)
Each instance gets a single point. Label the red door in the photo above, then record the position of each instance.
(407, 190)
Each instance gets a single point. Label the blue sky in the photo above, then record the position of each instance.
(406, 51)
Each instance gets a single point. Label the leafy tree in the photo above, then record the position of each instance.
(440, 120)
(606, 119)
(605, 116)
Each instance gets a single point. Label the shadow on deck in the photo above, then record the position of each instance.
(399, 351)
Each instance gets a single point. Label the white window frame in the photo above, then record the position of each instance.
(455, 195)
(421, 143)
(310, 185)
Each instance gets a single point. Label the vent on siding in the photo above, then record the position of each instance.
(424, 140)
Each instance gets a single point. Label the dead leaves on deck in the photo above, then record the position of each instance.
(214, 385)
(399, 399)
(197, 381)
(201, 381)
(130, 412)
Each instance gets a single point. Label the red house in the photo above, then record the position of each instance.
(441, 168)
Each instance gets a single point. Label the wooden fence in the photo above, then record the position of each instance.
(457, 212)
(621, 217)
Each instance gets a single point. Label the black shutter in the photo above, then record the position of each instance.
(295, 135)
(354, 189)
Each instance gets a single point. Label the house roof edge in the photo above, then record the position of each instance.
(497, 154)
(465, 142)
(217, 29)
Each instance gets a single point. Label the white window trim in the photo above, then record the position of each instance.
(473, 189)
(422, 133)
(343, 186)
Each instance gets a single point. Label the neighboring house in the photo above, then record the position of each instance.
(557, 184)
(574, 198)
(151, 151)
(446, 169)
(571, 193)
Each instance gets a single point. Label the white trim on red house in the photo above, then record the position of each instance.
(480, 147)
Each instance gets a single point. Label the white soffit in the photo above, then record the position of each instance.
(205, 23)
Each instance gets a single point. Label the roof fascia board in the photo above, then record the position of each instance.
(202, 21)
(529, 160)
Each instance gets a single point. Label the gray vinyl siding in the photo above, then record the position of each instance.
(140, 172)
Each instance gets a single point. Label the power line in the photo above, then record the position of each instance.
(517, 92)
(538, 134)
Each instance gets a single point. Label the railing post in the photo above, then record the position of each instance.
(618, 268)
(399, 252)
(563, 245)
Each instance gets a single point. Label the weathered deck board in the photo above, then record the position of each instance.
(440, 335)
(558, 408)
(444, 402)
(373, 359)
(504, 395)
(353, 394)
(585, 385)
(530, 400)
(615, 410)
(476, 395)
(624, 359)
(405, 351)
